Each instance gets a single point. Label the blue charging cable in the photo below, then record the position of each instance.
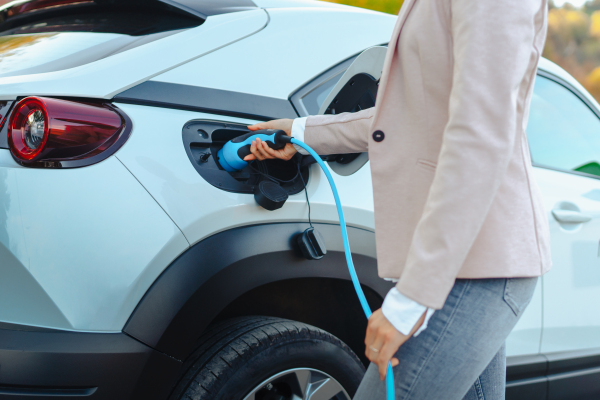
(389, 378)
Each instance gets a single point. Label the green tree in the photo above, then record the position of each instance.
(591, 6)
(387, 6)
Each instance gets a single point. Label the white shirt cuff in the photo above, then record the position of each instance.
(403, 313)
(298, 127)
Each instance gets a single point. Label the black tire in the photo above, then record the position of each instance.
(238, 355)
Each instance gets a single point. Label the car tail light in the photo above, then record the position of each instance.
(46, 132)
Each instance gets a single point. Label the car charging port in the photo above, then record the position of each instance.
(203, 139)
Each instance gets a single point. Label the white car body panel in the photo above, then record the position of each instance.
(92, 268)
(99, 80)
(156, 156)
(247, 66)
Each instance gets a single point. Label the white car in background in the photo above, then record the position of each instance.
(133, 267)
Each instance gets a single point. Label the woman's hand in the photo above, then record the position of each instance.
(383, 341)
(261, 151)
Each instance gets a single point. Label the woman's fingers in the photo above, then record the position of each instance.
(261, 125)
(283, 124)
(373, 350)
(373, 341)
(255, 151)
(262, 148)
(380, 350)
(385, 355)
(382, 342)
(272, 153)
(372, 330)
(288, 151)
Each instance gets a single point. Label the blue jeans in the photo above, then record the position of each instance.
(461, 354)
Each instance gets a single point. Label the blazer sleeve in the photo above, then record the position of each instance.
(496, 49)
(341, 133)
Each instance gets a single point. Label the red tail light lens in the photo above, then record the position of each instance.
(45, 132)
(32, 123)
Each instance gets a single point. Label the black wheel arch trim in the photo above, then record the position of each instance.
(203, 281)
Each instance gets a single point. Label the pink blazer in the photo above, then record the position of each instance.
(452, 178)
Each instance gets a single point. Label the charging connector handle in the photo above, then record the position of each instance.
(389, 379)
(231, 156)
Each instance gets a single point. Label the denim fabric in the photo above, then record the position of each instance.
(490, 385)
(461, 354)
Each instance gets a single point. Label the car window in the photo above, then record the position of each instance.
(53, 42)
(563, 132)
(313, 100)
(309, 98)
(20, 52)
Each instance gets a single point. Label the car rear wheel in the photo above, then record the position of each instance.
(265, 358)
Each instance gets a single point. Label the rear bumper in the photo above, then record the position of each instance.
(43, 364)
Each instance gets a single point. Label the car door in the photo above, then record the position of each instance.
(564, 139)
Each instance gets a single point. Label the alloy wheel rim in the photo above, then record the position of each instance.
(299, 384)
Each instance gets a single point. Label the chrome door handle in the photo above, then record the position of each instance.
(570, 216)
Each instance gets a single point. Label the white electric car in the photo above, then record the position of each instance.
(132, 266)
